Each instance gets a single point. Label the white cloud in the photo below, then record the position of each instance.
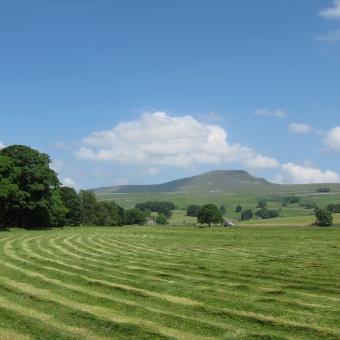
(276, 113)
(333, 12)
(57, 164)
(69, 182)
(330, 36)
(295, 128)
(261, 162)
(2, 145)
(332, 139)
(298, 174)
(157, 139)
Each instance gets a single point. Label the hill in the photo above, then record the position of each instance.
(218, 180)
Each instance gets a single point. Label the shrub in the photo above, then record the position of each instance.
(323, 217)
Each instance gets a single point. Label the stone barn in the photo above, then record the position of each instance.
(226, 223)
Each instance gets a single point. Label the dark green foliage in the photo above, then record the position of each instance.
(208, 214)
(165, 211)
(292, 199)
(193, 209)
(88, 207)
(273, 213)
(162, 219)
(246, 215)
(263, 213)
(104, 213)
(308, 205)
(323, 190)
(223, 210)
(71, 201)
(266, 213)
(261, 204)
(238, 208)
(33, 196)
(285, 204)
(156, 206)
(134, 216)
(333, 208)
(323, 217)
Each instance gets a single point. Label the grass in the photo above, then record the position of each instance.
(170, 283)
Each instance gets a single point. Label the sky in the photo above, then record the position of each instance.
(145, 92)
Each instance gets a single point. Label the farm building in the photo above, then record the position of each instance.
(149, 221)
(226, 223)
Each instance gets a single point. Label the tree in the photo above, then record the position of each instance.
(246, 215)
(261, 204)
(88, 203)
(263, 213)
(162, 219)
(164, 210)
(323, 190)
(32, 205)
(134, 216)
(72, 202)
(8, 186)
(193, 209)
(292, 199)
(238, 208)
(323, 217)
(209, 213)
(223, 210)
(333, 208)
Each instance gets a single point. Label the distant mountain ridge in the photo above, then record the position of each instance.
(210, 181)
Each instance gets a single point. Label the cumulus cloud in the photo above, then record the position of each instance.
(298, 174)
(276, 113)
(332, 139)
(157, 139)
(69, 182)
(295, 128)
(2, 145)
(332, 12)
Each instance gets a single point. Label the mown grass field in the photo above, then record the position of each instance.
(170, 283)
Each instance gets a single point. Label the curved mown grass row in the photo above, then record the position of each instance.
(170, 283)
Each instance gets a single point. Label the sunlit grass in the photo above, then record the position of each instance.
(171, 282)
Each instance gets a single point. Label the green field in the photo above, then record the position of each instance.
(170, 283)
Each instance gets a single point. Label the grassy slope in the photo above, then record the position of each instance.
(170, 283)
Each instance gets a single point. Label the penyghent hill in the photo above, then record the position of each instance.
(218, 180)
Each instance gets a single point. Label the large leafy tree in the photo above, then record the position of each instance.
(71, 201)
(246, 215)
(33, 202)
(208, 214)
(134, 216)
(8, 186)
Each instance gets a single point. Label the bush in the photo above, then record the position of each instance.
(238, 208)
(292, 199)
(246, 215)
(323, 217)
(323, 190)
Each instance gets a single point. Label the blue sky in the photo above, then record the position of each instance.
(140, 92)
